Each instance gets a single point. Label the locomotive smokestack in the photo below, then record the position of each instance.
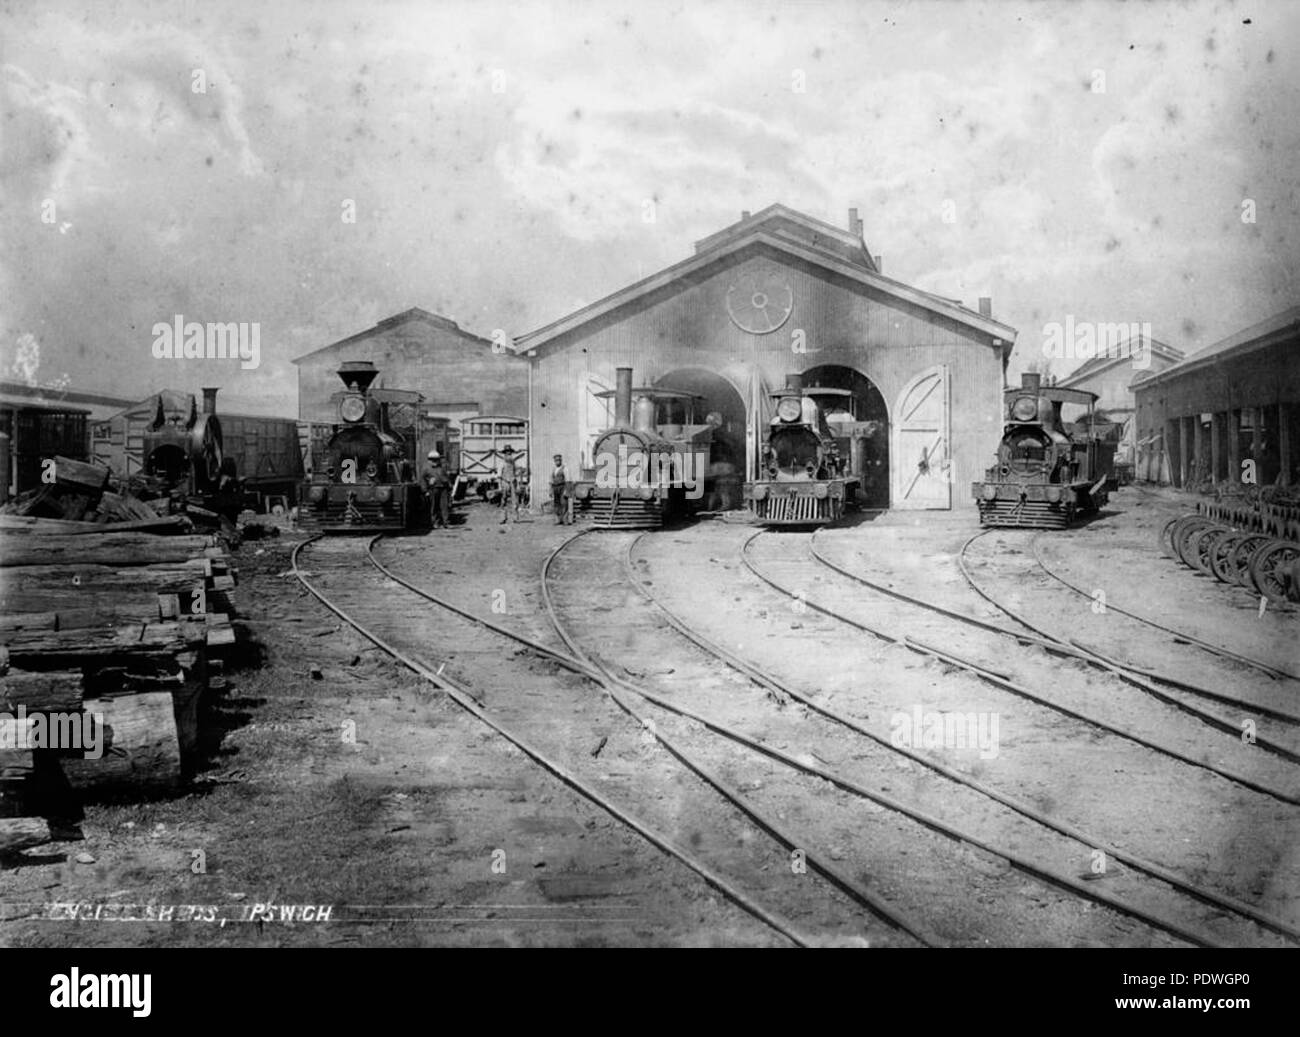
(794, 381)
(1031, 380)
(623, 397)
(357, 372)
(209, 401)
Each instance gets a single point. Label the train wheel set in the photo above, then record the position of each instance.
(1260, 562)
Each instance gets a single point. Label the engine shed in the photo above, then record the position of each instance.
(1235, 401)
(780, 292)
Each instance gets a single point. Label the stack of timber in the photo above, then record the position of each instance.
(91, 496)
(109, 636)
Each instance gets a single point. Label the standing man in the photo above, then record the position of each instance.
(508, 478)
(561, 498)
(438, 484)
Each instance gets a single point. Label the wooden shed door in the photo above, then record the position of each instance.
(919, 453)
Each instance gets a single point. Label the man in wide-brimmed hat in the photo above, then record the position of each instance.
(508, 478)
(437, 481)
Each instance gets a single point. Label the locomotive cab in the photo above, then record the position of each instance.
(804, 479)
(651, 462)
(367, 481)
(1044, 476)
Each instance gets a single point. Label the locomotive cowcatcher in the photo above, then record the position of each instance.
(651, 463)
(804, 479)
(1044, 477)
(369, 479)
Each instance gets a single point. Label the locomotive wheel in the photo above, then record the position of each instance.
(1269, 567)
(1183, 539)
(1177, 529)
(1221, 557)
(1166, 541)
(1241, 556)
(1200, 547)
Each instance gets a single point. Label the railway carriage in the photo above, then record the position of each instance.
(805, 478)
(369, 481)
(1044, 476)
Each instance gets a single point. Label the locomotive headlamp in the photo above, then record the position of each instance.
(811, 469)
(353, 408)
(789, 408)
(372, 469)
(1025, 409)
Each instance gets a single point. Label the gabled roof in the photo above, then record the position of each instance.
(1097, 364)
(796, 226)
(415, 313)
(1279, 328)
(783, 231)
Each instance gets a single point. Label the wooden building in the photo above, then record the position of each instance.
(457, 375)
(1112, 378)
(1234, 401)
(39, 422)
(781, 292)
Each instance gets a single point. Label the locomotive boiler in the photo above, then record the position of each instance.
(1044, 476)
(184, 449)
(804, 479)
(651, 463)
(368, 481)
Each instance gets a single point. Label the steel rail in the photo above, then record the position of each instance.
(775, 684)
(991, 677)
(462, 697)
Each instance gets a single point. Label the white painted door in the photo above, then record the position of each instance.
(919, 454)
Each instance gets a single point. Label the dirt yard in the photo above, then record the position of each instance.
(343, 800)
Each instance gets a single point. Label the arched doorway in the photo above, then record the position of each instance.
(861, 426)
(723, 407)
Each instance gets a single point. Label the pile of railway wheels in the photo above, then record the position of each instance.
(1257, 561)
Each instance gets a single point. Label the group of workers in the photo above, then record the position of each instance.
(510, 480)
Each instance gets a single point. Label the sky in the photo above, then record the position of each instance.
(1110, 162)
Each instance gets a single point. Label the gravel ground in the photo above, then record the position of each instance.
(335, 776)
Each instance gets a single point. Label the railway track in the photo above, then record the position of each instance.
(1279, 781)
(550, 714)
(1280, 740)
(820, 710)
(1219, 651)
(1282, 708)
(832, 728)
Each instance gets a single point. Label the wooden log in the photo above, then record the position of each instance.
(80, 476)
(102, 549)
(15, 764)
(55, 691)
(95, 646)
(171, 525)
(140, 745)
(80, 619)
(18, 833)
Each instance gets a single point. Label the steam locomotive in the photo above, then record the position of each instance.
(651, 463)
(804, 480)
(368, 482)
(1044, 476)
